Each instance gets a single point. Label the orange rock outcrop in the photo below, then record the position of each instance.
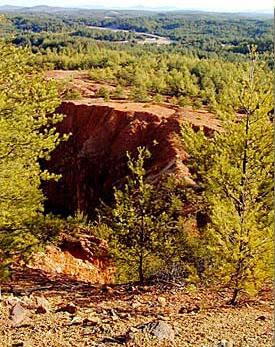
(94, 159)
(84, 259)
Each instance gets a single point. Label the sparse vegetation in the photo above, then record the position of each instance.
(184, 237)
(71, 94)
(104, 93)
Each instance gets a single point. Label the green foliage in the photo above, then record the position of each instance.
(197, 104)
(118, 93)
(158, 98)
(106, 35)
(104, 93)
(148, 71)
(27, 136)
(206, 66)
(234, 172)
(204, 33)
(143, 223)
(71, 94)
(183, 101)
(140, 94)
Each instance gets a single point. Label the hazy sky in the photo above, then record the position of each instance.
(229, 5)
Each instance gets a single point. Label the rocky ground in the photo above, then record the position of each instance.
(36, 311)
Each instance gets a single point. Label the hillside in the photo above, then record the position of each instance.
(137, 178)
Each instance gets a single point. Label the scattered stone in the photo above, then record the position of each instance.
(28, 302)
(162, 300)
(192, 310)
(91, 320)
(261, 318)
(262, 302)
(76, 320)
(134, 290)
(164, 318)
(118, 340)
(107, 290)
(159, 329)
(130, 289)
(58, 269)
(11, 300)
(136, 304)
(133, 330)
(41, 310)
(18, 314)
(70, 308)
(18, 344)
(182, 310)
(43, 305)
(113, 314)
(225, 343)
(124, 315)
(144, 289)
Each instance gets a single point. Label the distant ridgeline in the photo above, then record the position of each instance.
(40, 27)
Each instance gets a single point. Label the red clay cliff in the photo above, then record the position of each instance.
(94, 160)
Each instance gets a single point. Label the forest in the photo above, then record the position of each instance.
(207, 225)
(195, 31)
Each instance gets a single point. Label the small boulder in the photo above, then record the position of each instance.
(18, 314)
(136, 304)
(261, 318)
(191, 309)
(162, 301)
(108, 290)
(162, 330)
(70, 308)
(91, 320)
(159, 329)
(43, 305)
(225, 343)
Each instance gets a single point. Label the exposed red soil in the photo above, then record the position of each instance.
(78, 80)
(94, 158)
(84, 259)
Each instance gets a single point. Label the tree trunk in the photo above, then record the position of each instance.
(140, 269)
(233, 300)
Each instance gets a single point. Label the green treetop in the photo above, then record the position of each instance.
(234, 171)
(144, 221)
(27, 135)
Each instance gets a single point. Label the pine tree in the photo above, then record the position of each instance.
(144, 219)
(104, 93)
(118, 93)
(27, 135)
(234, 171)
(140, 94)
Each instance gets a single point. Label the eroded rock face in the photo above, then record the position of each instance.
(84, 258)
(94, 159)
